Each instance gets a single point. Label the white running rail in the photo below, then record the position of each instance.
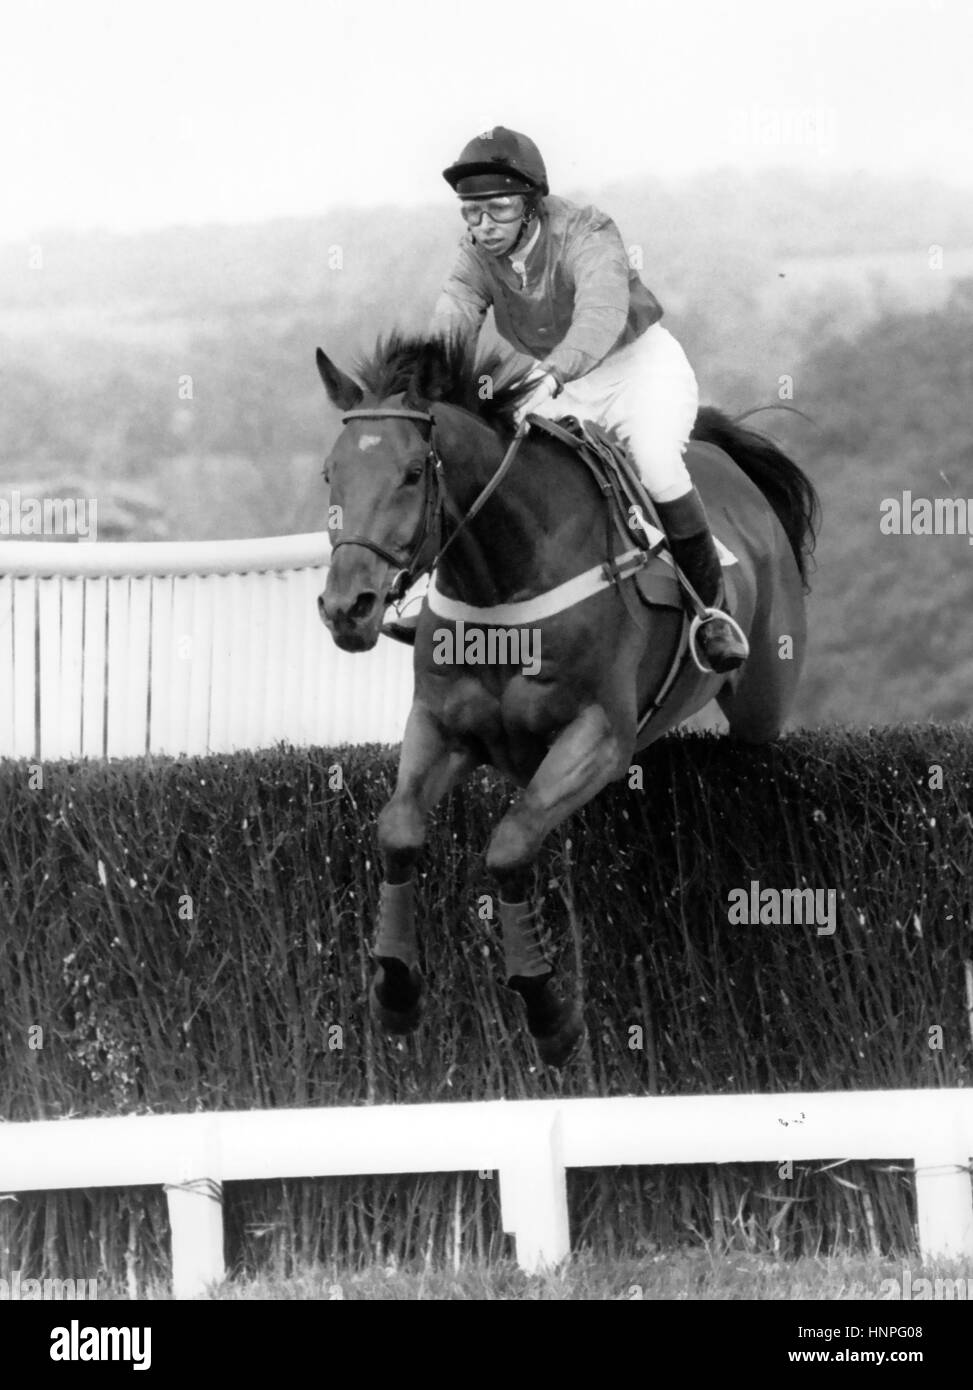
(529, 1143)
(122, 649)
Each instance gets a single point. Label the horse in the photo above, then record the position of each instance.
(429, 476)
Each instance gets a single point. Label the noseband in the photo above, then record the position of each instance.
(436, 505)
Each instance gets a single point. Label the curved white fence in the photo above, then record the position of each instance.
(529, 1143)
(119, 649)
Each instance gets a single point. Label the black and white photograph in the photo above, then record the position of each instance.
(486, 669)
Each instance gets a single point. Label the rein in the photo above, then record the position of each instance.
(408, 567)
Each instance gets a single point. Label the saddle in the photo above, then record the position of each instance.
(630, 511)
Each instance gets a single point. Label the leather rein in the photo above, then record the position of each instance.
(437, 502)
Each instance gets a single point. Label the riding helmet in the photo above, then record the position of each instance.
(498, 161)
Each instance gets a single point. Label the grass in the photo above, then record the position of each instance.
(684, 1275)
(195, 936)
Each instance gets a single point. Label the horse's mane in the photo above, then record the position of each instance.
(448, 368)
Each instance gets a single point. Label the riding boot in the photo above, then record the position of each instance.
(694, 551)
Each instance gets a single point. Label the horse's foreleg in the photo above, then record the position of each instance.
(589, 753)
(428, 768)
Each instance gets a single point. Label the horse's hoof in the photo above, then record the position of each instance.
(396, 997)
(556, 1024)
(557, 1048)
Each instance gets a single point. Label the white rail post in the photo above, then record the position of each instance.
(196, 1221)
(944, 1203)
(533, 1193)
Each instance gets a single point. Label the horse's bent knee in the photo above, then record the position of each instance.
(752, 722)
(619, 758)
(756, 731)
(401, 827)
(513, 847)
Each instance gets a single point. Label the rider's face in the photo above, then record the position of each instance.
(497, 234)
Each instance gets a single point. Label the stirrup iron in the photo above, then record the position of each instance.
(698, 621)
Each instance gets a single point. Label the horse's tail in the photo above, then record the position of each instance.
(786, 487)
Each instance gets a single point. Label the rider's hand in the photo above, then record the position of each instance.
(546, 387)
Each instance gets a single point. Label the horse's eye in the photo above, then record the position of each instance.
(414, 474)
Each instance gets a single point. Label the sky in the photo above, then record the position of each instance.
(125, 115)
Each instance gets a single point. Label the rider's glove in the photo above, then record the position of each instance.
(547, 386)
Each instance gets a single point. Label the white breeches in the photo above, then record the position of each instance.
(647, 392)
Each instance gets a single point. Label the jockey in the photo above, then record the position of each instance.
(563, 293)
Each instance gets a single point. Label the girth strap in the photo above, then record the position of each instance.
(546, 605)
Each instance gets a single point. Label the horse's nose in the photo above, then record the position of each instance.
(344, 610)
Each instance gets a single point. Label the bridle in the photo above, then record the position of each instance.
(407, 566)
(437, 503)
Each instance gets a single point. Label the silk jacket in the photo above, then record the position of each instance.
(577, 301)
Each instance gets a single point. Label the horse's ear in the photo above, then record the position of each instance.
(430, 380)
(342, 391)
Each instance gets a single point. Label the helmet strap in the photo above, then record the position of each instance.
(527, 221)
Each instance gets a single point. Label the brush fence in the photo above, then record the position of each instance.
(122, 649)
(526, 1144)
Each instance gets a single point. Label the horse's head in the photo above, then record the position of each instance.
(384, 498)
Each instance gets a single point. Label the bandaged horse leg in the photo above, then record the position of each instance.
(428, 768)
(523, 948)
(590, 752)
(396, 992)
(530, 972)
(395, 941)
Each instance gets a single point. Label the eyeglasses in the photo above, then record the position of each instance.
(503, 209)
